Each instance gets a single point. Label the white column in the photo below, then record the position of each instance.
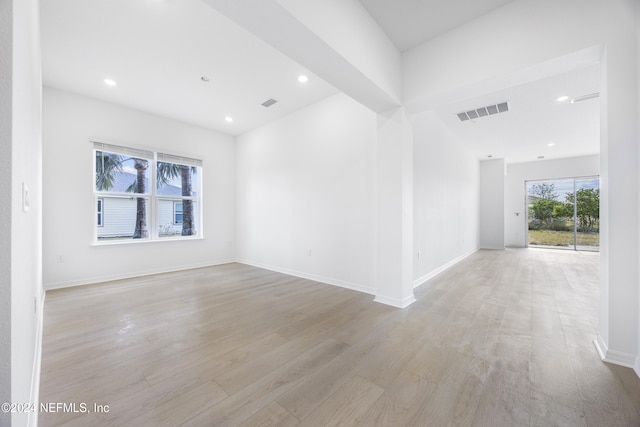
(617, 340)
(492, 215)
(395, 209)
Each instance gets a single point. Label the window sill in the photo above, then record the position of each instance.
(143, 241)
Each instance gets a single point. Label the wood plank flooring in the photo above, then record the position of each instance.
(503, 338)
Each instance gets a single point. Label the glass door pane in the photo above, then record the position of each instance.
(564, 213)
(588, 214)
(550, 213)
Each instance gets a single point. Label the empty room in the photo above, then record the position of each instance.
(308, 213)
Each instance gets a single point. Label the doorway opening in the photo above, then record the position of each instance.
(564, 213)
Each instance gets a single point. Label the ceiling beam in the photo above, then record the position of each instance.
(315, 49)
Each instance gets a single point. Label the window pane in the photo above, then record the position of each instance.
(177, 180)
(120, 173)
(127, 218)
(174, 222)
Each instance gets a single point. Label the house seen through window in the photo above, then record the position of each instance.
(145, 195)
(100, 212)
(177, 212)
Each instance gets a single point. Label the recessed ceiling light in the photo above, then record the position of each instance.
(205, 78)
(489, 155)
(109, 82)
(229, 119)
(540, 157)
(303, 79)
(551, 144)
(562, 98)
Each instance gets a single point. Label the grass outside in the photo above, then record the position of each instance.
(562, 238)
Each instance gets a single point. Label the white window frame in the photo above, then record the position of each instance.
(153, 222)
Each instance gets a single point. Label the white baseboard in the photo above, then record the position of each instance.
(421, 280)
(291, 272)
(395, 302)
(34, 394)
(131, 275)
(311, 276)
(616, 357)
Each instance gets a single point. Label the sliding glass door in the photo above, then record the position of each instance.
(564, 213)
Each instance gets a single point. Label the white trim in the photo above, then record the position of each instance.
(180, 160)
(616, 357)
(135, 145)
(309, 276)
(100, 279)
(421, 281)
(119, 149)
(601, 347)
(395, 302)
(132, 241)
(34, 396)
(637, 367)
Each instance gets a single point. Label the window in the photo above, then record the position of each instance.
(100, 202)
(148, 195)
(177, 212)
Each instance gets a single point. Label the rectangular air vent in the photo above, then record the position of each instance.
(472, 114)
(269, 102)
(483, 111)
(585, 97)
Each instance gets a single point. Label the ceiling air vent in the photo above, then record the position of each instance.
(483, 111)
(585, 97)
(269, 102)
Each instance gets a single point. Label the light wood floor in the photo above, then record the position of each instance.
(502, 339)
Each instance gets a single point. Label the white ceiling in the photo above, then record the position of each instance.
(535, 119)
(158, 50)
(409, 23)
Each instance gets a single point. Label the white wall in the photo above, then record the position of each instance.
(492, 187)
(20, 231)
(69, 121)
(637, 366)
(305, 194)
(533, 38)
(446, 198)
(515, 194)
(6, 89)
